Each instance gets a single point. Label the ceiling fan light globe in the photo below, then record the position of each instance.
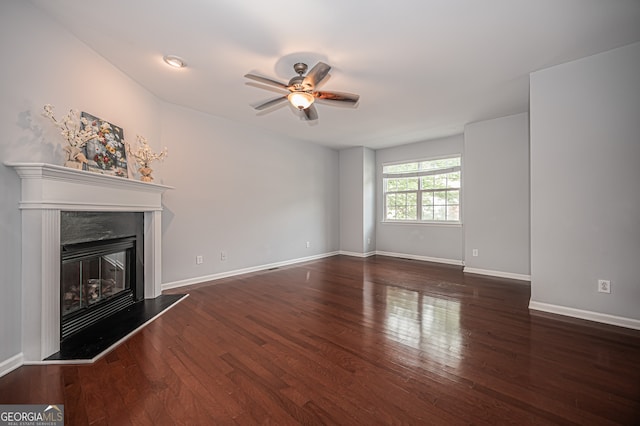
(300, 100)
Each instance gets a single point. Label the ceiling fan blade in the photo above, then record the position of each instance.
(316, 75)
(271, 103)
(311, 113)
(267, 80)
(337, 96)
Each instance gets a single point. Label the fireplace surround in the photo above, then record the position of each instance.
(47, 191)
(102, 269)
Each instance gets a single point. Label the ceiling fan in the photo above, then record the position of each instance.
(302, 90)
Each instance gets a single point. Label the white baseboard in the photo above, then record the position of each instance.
(356, 254)
(423, 258)
(227, 274)
(500, 274)
(8, 365)
(586, 315)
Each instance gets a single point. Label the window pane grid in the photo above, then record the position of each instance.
(402, 206)
(442, 205)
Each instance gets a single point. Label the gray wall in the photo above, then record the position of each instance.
(369, 193)
(253, 195)
(256, 196)
(351, 199)
(496, 195)
(442, 242)
(585, 176)
(357, 200)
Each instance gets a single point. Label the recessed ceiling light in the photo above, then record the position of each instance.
(174, 61)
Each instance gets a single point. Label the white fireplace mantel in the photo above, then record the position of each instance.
(46, 191)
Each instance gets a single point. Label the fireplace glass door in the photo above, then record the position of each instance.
(92, 280)
(96, 281)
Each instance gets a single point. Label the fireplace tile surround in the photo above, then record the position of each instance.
(47, 190)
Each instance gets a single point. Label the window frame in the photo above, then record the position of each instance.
(419, 192)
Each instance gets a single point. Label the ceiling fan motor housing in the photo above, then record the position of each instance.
(296, 82)
(300, 68)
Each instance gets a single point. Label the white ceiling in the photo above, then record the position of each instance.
(422, 68)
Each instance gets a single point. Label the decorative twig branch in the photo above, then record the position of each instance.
(143, 154)
(75, 129)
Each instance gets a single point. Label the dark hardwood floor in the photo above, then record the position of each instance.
(351, 341)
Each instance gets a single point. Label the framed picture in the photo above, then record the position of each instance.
(106, 153)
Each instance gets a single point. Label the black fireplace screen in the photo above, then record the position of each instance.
(86, 282)
(97, 279)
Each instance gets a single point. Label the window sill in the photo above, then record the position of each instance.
(415, 222)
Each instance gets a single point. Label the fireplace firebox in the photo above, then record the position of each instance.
(96, 282)
(101, 267)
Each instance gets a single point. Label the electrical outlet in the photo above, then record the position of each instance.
(308, 244)
(474, 252)
(223, 256)
(199, 260)
(604, 286)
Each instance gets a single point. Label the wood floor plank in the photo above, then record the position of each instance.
(351, 341)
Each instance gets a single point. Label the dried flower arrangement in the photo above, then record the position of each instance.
(144, 157)
(76, 132)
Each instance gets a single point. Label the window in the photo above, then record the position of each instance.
(422, 191)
